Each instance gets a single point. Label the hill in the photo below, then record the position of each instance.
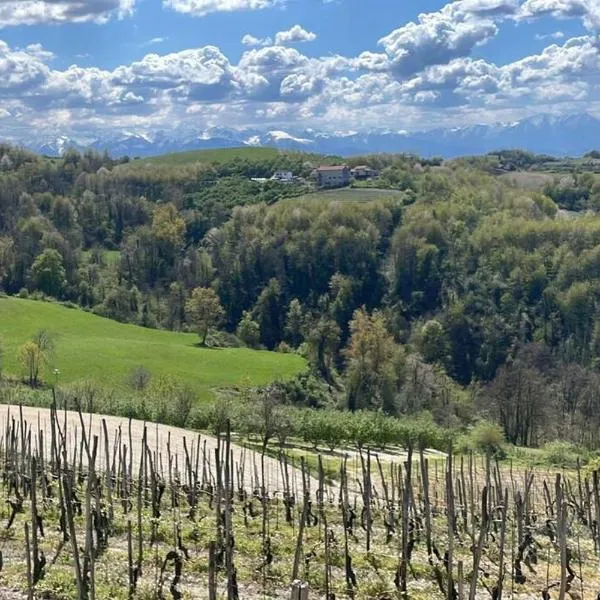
(217, 155)
(91, 347)
(346, 195)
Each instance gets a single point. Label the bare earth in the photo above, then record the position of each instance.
(160, 438)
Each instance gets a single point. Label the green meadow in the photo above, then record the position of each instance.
(217, 155)
(89, 347)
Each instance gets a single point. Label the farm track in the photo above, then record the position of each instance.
(161, 439)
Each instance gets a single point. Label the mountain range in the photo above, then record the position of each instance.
(568, 135)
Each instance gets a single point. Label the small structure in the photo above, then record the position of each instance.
(283, 176)
(363, 172)
(332, 177)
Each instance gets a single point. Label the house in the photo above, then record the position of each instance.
(363, 172)
(332, 177)
(283, 176)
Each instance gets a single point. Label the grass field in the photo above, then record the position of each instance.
(218, 155)
(347, 195)
(91, 347)
(529, 180)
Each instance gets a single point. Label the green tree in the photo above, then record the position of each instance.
(294, 323)
(371, 377)
(432, 342)
(34, 354)
(248, 330)
(48, 273)
(204, 311)
(267, 312)
(323, 340)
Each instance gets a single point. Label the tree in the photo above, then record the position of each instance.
(204, 311)
(294, 322)
(371, 374)
(267, 313)
(323, 340)
(48, 273)
(248, 330)
(31, 360)
(432, 341)
(34, 354)
(6, 246)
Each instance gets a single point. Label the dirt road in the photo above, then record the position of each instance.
(160, 439)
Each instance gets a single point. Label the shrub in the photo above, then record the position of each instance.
(23, 293)
(487, 437)
(561, 454)
(139, 378)
(248, 331)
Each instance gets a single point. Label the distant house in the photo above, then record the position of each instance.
(332, 177)
(283, 176)
(363, 172)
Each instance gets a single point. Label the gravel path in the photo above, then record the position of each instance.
(159, 438)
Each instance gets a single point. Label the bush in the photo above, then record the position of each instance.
(69, 304)
(248, 331)
(139, 378)
(222, 339)
(23, 293)
(487, 437)
(561, 454)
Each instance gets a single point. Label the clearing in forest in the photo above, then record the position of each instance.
(95, 348)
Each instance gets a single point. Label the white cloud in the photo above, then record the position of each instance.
(201, 8)
(587, 10)
(438, 37)
(21, 70)
(422, 68)
(250, 40)
(556, 35)
(34, 12)
(293, 35)
(154, 41)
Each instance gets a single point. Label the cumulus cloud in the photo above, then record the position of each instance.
(250, 40)
(587, 10)
(22, 70)
(35, 12)
(438, 37)
(201, 8)
(293, 35)
(420, 68)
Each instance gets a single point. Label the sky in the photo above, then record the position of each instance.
(85, 67)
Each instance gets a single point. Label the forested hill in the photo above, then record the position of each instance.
(458, 293)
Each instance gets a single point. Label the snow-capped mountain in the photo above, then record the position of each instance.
(549, 134)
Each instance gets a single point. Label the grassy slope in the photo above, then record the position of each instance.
(347, 195)
(218, 155)
(91, 347)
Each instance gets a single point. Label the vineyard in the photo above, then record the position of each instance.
(89, 510)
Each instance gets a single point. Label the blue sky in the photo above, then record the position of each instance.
(89, 65)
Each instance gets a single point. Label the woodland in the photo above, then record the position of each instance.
(461, 297)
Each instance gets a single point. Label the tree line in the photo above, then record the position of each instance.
(459, 296)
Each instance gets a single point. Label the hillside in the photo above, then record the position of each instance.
(346, 195)
(91, 347)
(216, 155)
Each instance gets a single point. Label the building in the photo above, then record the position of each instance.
(363, 172)
(332, 177)
(283, 176)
